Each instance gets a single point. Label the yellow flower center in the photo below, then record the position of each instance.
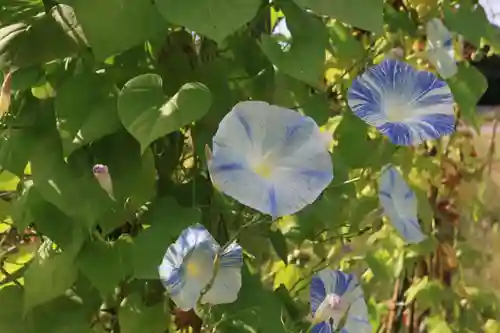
(263, 170)
(193, 269)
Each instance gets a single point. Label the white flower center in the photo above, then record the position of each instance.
(263, 169)
(263, 166)
(199, 264)
(395, 110)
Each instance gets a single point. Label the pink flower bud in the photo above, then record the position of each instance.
(101, 173)
(5, 94)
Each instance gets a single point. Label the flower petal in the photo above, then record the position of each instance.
(171, 268)
(227, 283)
(357, 318)
(232, 256)
(297, 188)
(492, 10)
(317, 293)
(400, 205)
(440, 50)
(402, 103)
(438, 36)
(226, 286)
(444, 62)
(337, 282)
(187, 298)
(243, 185)
(197, 270)
(281, 28)
(289, 146)
(322, 327)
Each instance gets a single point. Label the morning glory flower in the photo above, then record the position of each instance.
(336, 295)
(188, 267)
(440, 50)
(102, 175)
(270, 158)
(400, 205)
(406, 105)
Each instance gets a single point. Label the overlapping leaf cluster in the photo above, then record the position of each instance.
(141, 86)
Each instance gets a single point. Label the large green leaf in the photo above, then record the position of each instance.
(61, 186)
(212, 18)
(112, 266)
(134, 316)
(167, 220)
(50, 221)
(467, 87)
(305, 58)
(114, 26)
(86, 110)
(147, 114)
(364, 14)
(11, 317)
(48, 277)
(15, 150)
(54, 35)
(47, 317)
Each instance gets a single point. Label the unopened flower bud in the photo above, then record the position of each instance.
(5, 94)
(101, 173)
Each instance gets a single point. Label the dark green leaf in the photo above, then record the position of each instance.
(48, 277)
(113, 263)
(305, 59)
(467, 87)
(53, 36)
(86, 110)
(135, 316)
(112, 26)
(364, 14)
(11, 317)
(212, 18)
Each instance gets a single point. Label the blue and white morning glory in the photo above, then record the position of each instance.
(270, 158)
(406, 105)
(188, 266)
(440, 50)
(336, 295)
(400, 205)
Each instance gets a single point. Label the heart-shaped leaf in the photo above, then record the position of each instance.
(148, 114)
(212, 18)
(364, 14)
